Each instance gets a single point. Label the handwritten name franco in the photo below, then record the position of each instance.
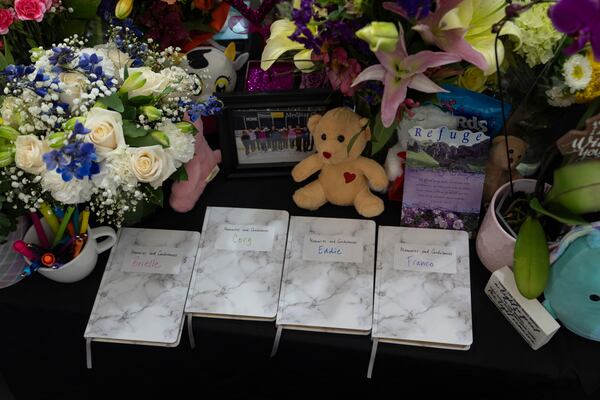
(419, 262)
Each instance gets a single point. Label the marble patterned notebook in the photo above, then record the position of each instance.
(142, 294)
(422, 288)
(239, 266)
(328, 276)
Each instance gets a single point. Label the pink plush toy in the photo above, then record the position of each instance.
(200, 170)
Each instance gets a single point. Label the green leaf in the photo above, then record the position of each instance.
(156, 196)
(531, 259)
(352, 141)
(129, 112)
(131, 130)
(558, 212)
(125, 73)
(180, 175)
(141, 141)
(31, 43)
(141, 100)
(3, 62)
(7, 53)
(381, 134)
(82, 9)
(113, 101)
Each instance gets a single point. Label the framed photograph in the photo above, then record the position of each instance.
(266, 134)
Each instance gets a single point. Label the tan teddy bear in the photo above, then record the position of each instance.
(496, 169)
(345, 176)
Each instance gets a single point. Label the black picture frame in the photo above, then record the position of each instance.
(302, 101)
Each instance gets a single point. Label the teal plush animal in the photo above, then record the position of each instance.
(573, 290)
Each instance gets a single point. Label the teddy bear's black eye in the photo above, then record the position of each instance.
(594, 297)
(324, 136)
(511, 151)
(341, 138)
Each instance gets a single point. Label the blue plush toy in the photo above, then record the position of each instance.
(573, 291)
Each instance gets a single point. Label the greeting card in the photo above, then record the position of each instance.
(445, 170)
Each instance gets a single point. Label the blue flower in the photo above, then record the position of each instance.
(76, 159)
(211, 106)
(61, 56)
(15, 72)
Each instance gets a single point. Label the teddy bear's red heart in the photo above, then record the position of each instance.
(349, 177)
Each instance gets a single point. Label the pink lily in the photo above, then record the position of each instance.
(450, 40)
(400, 71)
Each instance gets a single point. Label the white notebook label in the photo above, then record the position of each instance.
(245, 238)
(333, 249)
(425, 258)
(153, 260)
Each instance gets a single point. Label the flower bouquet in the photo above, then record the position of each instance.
(27, 24)
(80, 125)
(184, 23)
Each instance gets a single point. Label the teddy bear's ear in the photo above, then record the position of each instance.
(364, 122)
(313, 121)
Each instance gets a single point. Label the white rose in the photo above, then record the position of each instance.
(106, 130)
(181, 145)
(29, 152)
(155, 83)
(73, 192)
(74, 85)
(116, 56)
(151, 164)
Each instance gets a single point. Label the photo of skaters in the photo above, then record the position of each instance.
(273, 136)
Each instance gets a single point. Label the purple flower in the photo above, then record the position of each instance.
(458, 224)
(424, 224)
(581, 20)
(441, 222)
(415, 9)
(302, 34)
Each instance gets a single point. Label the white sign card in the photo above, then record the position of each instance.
(245, 238)
(348, 249)
(425, 258)
(153, 260)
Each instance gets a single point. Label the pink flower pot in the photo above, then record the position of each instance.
(495, 246)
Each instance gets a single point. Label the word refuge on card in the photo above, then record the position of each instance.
(450, 136)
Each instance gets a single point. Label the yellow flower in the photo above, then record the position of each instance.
(380, 36)
(123, 8)
(477, 17)
(280, 43)
(592, 90)
(472, 79)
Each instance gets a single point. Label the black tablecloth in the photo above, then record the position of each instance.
(42, 350)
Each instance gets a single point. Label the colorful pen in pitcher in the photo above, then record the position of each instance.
(77, 246)
(85, 216)
(63, 226)
(76, 220)
(39, 229)
(50, 217)
(22, 248)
